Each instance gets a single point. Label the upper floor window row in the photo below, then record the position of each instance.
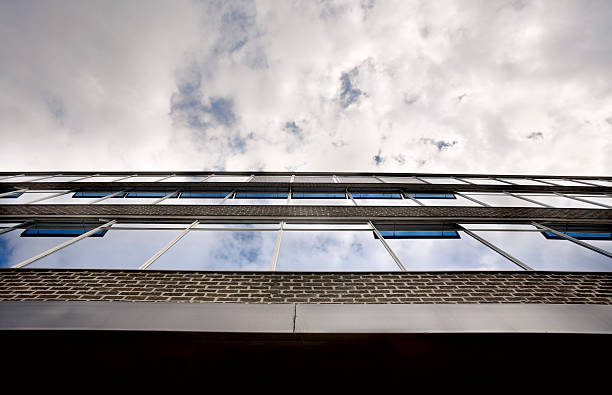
(320, 179)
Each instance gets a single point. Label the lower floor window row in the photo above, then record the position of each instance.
(367, 246)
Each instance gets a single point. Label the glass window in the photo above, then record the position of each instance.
(185, 179)
(271, 179)
(401, 180)
(448, 253)
(103, 178)
(204, 195)
(60, 232)
(117, 249)
(362, 179)
(559, 201)
(142, 179)
(596, 198)
(150, 194)
(547, 254)
(375, 195)
(385, 202)
(603, 183)
(501, 200)
(418, 234)
(220, 250)
(498, 226)
(563, 182)
(11, 196)
(319, 179)
(87, 194)
(333, 251)
(458, 201)
(335, 226)
(28, 197)
(132, 200)
(62, 178)
(431, 195)
(483, 181)
(255, 202)
(318, 195)
(266, 226)
(581, 235)
(21, 178)
(228, 179)
(14, 249)
(261, 195)
(442, 180)
(522, 181)
(320, 202)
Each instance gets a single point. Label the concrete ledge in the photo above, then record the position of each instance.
(127, 316)
(306, 318)
(485, 318)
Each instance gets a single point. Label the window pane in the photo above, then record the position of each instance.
(483, 181)
(271, 179)
(62, 178)
(358, 179)
(498, 226)
(375, 195)
(333, 251)
(597, 198)
(544, 254)
(385, 202)
(318, 195)
(459, 201)
(184, 179)
(103, 178)
(500, 200)
(27, 197)
(118, 249)
(363, 226)
(442, 180)
(559, 201)
(129, 201)
(321, 202)
(142, 179)
(321, 179)
(522, 181)
(601, 182)
(261, 195)
(464, 253)
(21, 179)
(256, 202)
(228, 179)
(15, 249)
(197, 202)
(214, 250)
(563, 182)
(401, 180)
(272, 225)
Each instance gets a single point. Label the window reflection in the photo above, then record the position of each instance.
(333, 251)
(117, 249)
(464, 253)
(544, 254)
(220, 250)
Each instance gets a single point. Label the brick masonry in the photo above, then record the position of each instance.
(266, 287)
(134, 211)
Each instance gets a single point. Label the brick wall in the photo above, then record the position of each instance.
(249, 287)
(400, 212)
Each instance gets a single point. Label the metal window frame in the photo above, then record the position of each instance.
(62, 245)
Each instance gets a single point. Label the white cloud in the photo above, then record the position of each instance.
(92, 86)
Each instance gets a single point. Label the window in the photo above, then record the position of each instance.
(150, 194)
(261, 195)
(87, 194)
(375, 195)
(60, 232)
(431, 195)
(318, 195)
(204, 195)
(11, 196)
(418, 234)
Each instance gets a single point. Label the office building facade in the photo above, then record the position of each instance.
(298, 254)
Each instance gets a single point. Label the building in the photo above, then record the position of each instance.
(355, 273)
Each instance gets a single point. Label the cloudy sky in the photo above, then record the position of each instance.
(373, 85)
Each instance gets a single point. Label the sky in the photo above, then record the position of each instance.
(512, 86)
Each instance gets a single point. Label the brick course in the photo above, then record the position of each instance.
(266, 287)
(134, 211)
